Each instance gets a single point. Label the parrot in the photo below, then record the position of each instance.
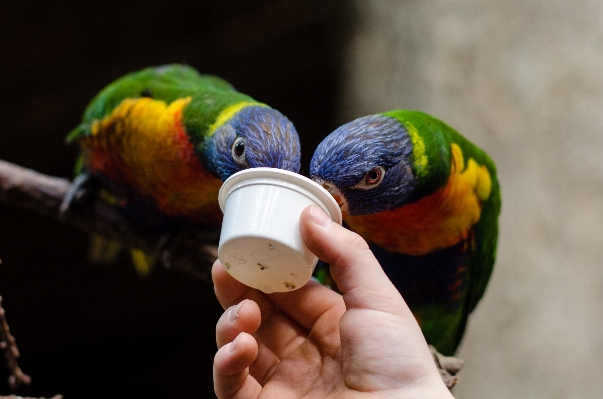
(160, 141)
(427, 202)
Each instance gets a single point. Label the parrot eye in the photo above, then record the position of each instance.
(372, 179)
(238, 150)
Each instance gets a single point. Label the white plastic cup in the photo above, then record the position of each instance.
(260, 243)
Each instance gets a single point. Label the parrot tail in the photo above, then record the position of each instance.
(104, 251)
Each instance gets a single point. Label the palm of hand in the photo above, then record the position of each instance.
(315, 343)
(306, 346)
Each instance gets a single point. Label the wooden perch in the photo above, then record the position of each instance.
(23, 397)
(192, 252)
(8, 345)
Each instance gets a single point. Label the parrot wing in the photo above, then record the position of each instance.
(165, 83)
(486, 238)
(483, 236)
(485, 230)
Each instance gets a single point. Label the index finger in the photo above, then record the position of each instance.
(303, 306)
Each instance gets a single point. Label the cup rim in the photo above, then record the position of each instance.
(281, 175)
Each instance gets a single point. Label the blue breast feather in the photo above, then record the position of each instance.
(435, 279)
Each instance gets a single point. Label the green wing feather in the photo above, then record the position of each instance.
(437, 150)
(167, 83)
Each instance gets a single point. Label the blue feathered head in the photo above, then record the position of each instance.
(256, 136)
(366, 165)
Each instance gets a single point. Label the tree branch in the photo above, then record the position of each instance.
(8, 345)
(191, 252)
(23, 397)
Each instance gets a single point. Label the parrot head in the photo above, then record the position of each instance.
(366, 165)
(255, 136)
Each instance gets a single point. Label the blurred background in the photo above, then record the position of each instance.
(521, 79)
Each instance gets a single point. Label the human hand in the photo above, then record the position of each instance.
(315, 343)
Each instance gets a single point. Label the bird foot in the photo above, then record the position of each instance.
(201, 243)
(165, 247)
(448, 366)
(81, 190)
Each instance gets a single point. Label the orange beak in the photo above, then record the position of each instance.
(339, 201)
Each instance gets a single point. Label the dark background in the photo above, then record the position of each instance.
(90, 332)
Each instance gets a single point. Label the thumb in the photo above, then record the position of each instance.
(377, 323)
(354, 268)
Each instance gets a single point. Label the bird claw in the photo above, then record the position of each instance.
(201, 243)
(448, 366)
(165, 247)
(81, 189)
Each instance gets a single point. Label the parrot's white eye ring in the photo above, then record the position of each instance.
(238, 150)
(372, 179)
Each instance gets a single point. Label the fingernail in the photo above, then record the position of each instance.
(234, 312)
(233, 345)
(319, 216)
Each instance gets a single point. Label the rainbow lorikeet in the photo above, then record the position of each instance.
(427, 201)
(160, 142)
